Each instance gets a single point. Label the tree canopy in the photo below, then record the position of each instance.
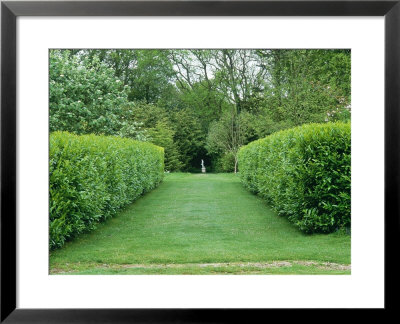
(197, 104)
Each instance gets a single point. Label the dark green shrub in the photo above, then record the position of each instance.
(304, 173)
(91, 177)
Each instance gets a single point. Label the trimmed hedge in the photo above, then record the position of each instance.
(304, 173)
(91, 177)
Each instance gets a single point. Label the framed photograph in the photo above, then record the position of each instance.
(173, 161)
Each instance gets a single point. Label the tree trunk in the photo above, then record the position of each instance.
(236, 164)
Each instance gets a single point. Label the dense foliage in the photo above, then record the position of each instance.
(304, 173)
(85, 95)
(91, 177)
(197, 104)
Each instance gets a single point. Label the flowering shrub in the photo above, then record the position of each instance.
(91, 177)
(85, 95)
(304, 173)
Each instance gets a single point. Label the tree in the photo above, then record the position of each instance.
(134, 130)
(85, 95)
(163, 135)
(227, 135)
(306, 85)
(189, 137)
(147, 73)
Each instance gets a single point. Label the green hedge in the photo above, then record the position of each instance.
(304, 173)
(91, 177)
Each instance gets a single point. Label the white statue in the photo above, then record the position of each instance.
(203, 168)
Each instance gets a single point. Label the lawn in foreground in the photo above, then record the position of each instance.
(201, 224)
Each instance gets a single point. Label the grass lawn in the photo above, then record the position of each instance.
(201, 224)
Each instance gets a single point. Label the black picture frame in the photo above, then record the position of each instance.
(10, 10)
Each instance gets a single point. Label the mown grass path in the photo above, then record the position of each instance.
(201, 223)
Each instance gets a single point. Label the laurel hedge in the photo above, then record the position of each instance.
(91, 177)
(304, 173)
